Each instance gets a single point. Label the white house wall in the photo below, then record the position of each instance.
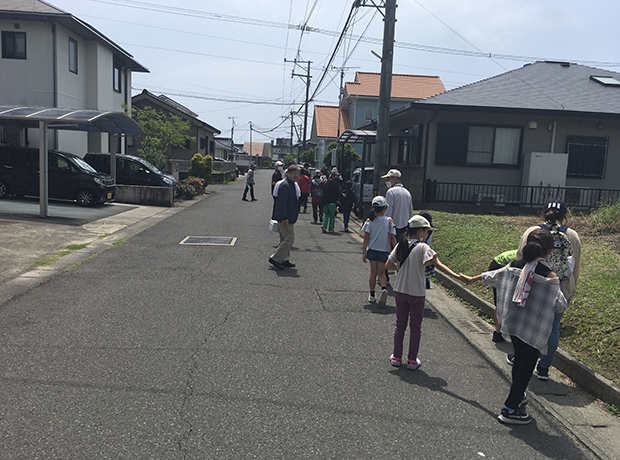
(29, 82)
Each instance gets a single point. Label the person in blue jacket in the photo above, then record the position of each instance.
(286, 211)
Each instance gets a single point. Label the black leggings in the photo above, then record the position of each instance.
(522, 370)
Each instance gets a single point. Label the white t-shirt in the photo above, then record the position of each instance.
(380, 230)
(410, 278)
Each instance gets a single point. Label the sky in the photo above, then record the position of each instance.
(232, 61)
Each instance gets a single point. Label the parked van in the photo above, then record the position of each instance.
(70, 177)
(131, 170)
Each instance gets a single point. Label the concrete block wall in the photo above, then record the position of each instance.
(146, 195)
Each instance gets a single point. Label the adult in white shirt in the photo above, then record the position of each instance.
(400, 206)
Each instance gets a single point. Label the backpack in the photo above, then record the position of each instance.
(560, 260)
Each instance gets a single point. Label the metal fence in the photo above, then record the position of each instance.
(516, 195)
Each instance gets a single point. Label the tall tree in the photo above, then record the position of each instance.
(162, 133)
(348, 156)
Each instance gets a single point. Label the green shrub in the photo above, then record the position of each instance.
(186, 191)
(201, 167)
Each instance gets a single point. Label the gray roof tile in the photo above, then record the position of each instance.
(549, 86)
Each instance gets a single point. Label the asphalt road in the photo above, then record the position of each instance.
(156, 350)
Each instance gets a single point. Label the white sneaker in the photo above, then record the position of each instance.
(383, 298)
(371, 298)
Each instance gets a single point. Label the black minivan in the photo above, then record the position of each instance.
(131, 170)
(70, 177)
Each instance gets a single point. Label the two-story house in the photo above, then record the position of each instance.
(202, 134)
(51, 58)
(360, 105)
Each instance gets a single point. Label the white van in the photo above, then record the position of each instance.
(356, 178)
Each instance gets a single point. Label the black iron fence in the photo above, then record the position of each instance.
(516, 195)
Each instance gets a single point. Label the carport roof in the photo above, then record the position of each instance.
(71, 119)
(357, 136)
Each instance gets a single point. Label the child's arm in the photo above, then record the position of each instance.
(389, 265)
(444, 268)
(470, 279)
(365, 245)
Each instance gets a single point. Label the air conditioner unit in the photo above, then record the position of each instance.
(578, 197)
(490, 198)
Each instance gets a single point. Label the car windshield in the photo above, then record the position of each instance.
(150, 166)
(83, 165)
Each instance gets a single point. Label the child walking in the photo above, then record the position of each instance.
(379, 238)
(528, 297)
(410, 257)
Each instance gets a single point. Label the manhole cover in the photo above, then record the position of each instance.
(209, 240)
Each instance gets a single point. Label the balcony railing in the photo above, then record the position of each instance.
(516, 195)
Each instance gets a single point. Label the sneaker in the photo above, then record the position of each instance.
(323, 229)
(413, 365)
(518, 417)
(497, 337)
(383, 298)
(396, 362)
(542, 373)
(371, 298)
(510, 359)
(288, 264)
(331, 231)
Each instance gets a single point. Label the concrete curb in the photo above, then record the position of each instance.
(578, 372)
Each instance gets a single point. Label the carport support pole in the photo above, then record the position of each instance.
(43, 170)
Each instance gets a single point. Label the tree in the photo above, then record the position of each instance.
(307, 157)
(162, 133)
(348, 156)
(289, 158)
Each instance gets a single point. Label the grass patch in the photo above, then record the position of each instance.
(467, 243)
(58, 254)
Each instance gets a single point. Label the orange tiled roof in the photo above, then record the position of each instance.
(326, 120)
(403, 86)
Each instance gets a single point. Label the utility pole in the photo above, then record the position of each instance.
(250, 138)
(292, 130)
(387, 58)
(307, 77)
(232, 137)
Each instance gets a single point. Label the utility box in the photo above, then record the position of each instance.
(544, 168)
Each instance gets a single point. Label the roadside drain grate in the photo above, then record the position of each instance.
(209, 240)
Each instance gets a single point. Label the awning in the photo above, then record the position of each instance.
(357, 136)
(71, 119)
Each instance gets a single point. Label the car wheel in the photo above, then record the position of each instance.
(4, 189)
(86, 198)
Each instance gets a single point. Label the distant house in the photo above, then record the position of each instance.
(50, 58)
(202, 134)
(281, 147)
(258, 149)
(360, 105)
(545, 124)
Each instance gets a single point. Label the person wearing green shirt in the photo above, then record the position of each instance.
(498, 262)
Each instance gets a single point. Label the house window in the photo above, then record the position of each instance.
(368, 113)
(203, 143)
(586, 156)
(409, 148)
(73, 56)
(459, 144)
(211, 146)
(13, 45)
(116, 77)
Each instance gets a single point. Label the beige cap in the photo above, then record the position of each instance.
(392, 173)
(418, 221)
